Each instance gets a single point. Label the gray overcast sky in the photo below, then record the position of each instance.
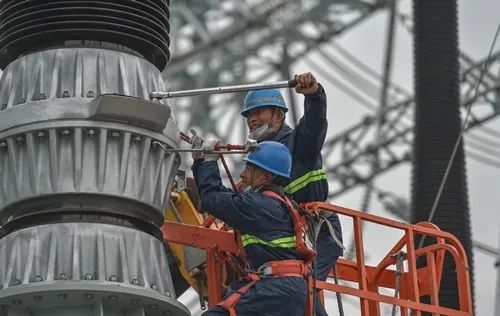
(478, 21)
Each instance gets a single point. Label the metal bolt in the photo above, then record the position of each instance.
(153, 306)
(62, 296)
(91, 133)
(20, 139)
(4, 106)
(38, 278)
(115, 135)
(154, 287)
(89, 276)
(113, 297)
(88, 297)
(65, 132)
(90, 94)
(135, 282)
(17, 302)
(135, 301)
(65, 94)
(3, 145)
(41, 96)
(168, 294)
(113, 278)
(40, 134)
(137, 139)
(38, 298)
(63, 276)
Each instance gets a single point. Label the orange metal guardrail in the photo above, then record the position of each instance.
(415, 282)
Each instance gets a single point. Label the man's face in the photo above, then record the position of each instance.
(263, 116)
(253, 177)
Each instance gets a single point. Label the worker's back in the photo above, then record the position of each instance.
(308, 180)
(267, 235)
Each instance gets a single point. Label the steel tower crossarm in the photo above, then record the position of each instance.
(348, 154)
(247, 28)
(218, 43)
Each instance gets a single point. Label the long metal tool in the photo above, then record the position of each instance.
(227, 89)
(219, 149)
(205, 151)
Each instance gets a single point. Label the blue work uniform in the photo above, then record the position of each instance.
(267, 234)
(308, 179)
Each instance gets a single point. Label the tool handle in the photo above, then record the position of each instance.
(230, 147)
(292, 83)
(225, 89)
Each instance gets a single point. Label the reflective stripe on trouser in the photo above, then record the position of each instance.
(302, 182)
(287, 242)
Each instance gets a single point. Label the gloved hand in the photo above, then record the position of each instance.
(251, 145)
(197, 143)
(210, 145)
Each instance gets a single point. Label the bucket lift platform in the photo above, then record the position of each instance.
(410, 280)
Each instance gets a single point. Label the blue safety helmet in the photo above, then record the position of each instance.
(273, 157)
(260, 98)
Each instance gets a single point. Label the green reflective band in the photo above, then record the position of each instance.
(312, 176)
(283, 242)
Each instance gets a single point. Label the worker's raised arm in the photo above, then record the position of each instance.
(312, 127)
(237, 210)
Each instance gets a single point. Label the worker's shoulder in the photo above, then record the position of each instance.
(283, 135)
(259, 200)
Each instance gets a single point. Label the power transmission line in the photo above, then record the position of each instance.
(484, 140)
(483, 159)
(479, 147)
(343, 87)
(364, 67)
(484, 149)
(490, 131)
(366, 86)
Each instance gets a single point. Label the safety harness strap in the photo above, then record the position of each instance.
(298, 226)
(331, 230)
(229, 303)
(278, 268)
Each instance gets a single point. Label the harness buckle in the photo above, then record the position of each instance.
(265, 270)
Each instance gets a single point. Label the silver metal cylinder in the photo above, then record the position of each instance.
(74, 268)
(84, 185)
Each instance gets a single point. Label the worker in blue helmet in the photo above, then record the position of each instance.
(265, 112)
(265, 228)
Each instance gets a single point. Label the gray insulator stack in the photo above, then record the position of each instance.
(437, 127)
(83, 187)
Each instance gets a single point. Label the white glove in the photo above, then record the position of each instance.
(197, 143)
(210, 145)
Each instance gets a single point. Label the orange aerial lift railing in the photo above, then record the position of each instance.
(410, 281)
